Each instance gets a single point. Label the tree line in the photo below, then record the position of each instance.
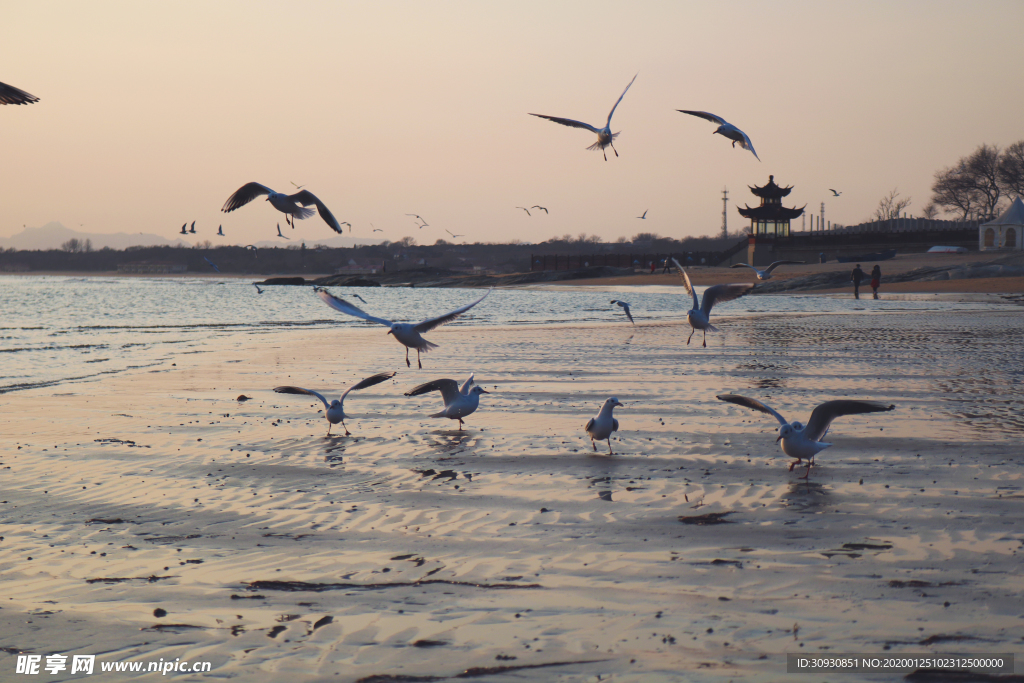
(976, 186)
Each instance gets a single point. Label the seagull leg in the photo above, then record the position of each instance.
(794, 464)
(610, 446)
(614, 150)
(593, 443)
(605, 154)
(407, 363)
(705, 339)
(329, 425)
(460, 424)
(347, 433)
(691, 336)
(420, 364)
(808, 472)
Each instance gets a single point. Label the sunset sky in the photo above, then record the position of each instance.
(152, 114)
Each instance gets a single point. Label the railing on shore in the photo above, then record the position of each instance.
(634, 260)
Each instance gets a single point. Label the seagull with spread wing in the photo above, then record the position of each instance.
(699, 316)
(834, 193)
(11, 95)
(625, 308)
(601, 427)
(538, 206)
(605, 137)
(288, 204)
(765, 274)
(459, 402)
(804, 442)
(454, 236)
(279, 232)
(727, 129)
(334, 411)
(407, 334)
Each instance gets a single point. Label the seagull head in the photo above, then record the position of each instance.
(614, 402)
(479, 390)
(787, 430)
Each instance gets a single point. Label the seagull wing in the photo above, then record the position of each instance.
(686, 283)
(305, 197)
(776, 264)
(11, 95)
(751, 403)
(464, 389)
(747, 144)
(347, 308)
(369, 382)
(243, 195)
(744, 265)
(569, 122)
(300, 390)
(713, 295)
(705, 115)
(823, 415)
(609, 122)
(428, 325)
(590, 425)
(449, 389)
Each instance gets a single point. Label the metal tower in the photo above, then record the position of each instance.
(725, 214)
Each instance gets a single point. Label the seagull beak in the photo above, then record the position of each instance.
(778, 439)
(389, 332)
(484, 391)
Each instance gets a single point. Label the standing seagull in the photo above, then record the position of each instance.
(605, 137)
(407, 334)
(335, 411)
(625, 307)
(11, 95)
(459, 402)
(699, 316)
(727, 129)
(765, 274)
(602, 426)
(287, 204)
(801, 442)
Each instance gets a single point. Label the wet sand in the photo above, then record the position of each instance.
(411, 549)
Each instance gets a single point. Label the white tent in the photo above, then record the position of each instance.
(1004, 232)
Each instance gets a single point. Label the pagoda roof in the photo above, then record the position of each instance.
(770, 190)
(770, 212)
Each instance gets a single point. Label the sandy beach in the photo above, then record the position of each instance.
(512, 551)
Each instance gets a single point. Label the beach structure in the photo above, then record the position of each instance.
(768, 221)
(1004, 232)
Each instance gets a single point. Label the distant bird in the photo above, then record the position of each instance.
(286, 204)
(356, 296)
(454, 236)
(605, 137)
(418, 217)
(644, 217)
(376, 229)
(407, 334)
(183, 230)
(258, 290)
(334, 411)
(279, 232)
(539, 207)
(801, 442)
(192, 230)
(601, 427)
(525, 209)
(255, 250)
(297, 187)
(11, 95)
(220, 231)
(348, 224)
(727, 129)
(212, 264)
(699, 316)
(459, 402)
(765, 274)
(834, 192)
(625, 308)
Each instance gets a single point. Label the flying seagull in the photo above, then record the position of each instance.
(454, 236)
(334, 411)
(602, 426)
(537, 206)
(346, 223)
(727, 129)
(192, 230)
(297, 187)
(459, 402)
(407, 334)
(286, 204)
(605, 137)
(255, 250)
(220, 230)
(212, 264)
(525, 209)
(279, 232)
(801, 442)
(834, 192)
(765, 274)
(376, 229)
(11, 95)
(418, 217)
(258, 290)
(699, 316)
(625, 308)
(183, 230)
(644, 216)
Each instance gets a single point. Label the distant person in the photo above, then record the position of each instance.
(822, 258)
(876, 279)
(666, 268)
(857, 275)
(653, 266)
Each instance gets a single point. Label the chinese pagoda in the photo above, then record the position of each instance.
(768, 221)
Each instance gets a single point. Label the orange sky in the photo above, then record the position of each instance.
(151, 114)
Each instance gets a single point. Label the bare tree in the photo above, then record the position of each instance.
(954, 191)
(890, 206)
(406, 242)
(930, 211)
(983, 165)
(73, 246)
(1011, 169)
(971, 187)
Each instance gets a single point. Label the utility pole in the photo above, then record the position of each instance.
(725, 213)
(821, 221)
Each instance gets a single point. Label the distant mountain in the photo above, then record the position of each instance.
(52, 235)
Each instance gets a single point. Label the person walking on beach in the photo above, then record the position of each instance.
(857, 275)
(666, 269)
(876, 279)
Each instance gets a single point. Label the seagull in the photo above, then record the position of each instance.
(255, 251)
(279, 232)
(212, 264)
(605, 137)
(11, 95)
(346, 223)
(454, 236)
(220, 230)
(699, 316)
(407, 334)
(418, 217)
(183, 230)
(727, 129)
(335, 412)
(602, 426)
(625, 307)
(644, 217)
(459, 402)
(525, 209)
(765, 274)
(804, 442)
(535, 206)
(258, 290)
(834, 192)
(193, 228)
(376, 229)
(356, 296)
(286, 204)
(297, 187)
